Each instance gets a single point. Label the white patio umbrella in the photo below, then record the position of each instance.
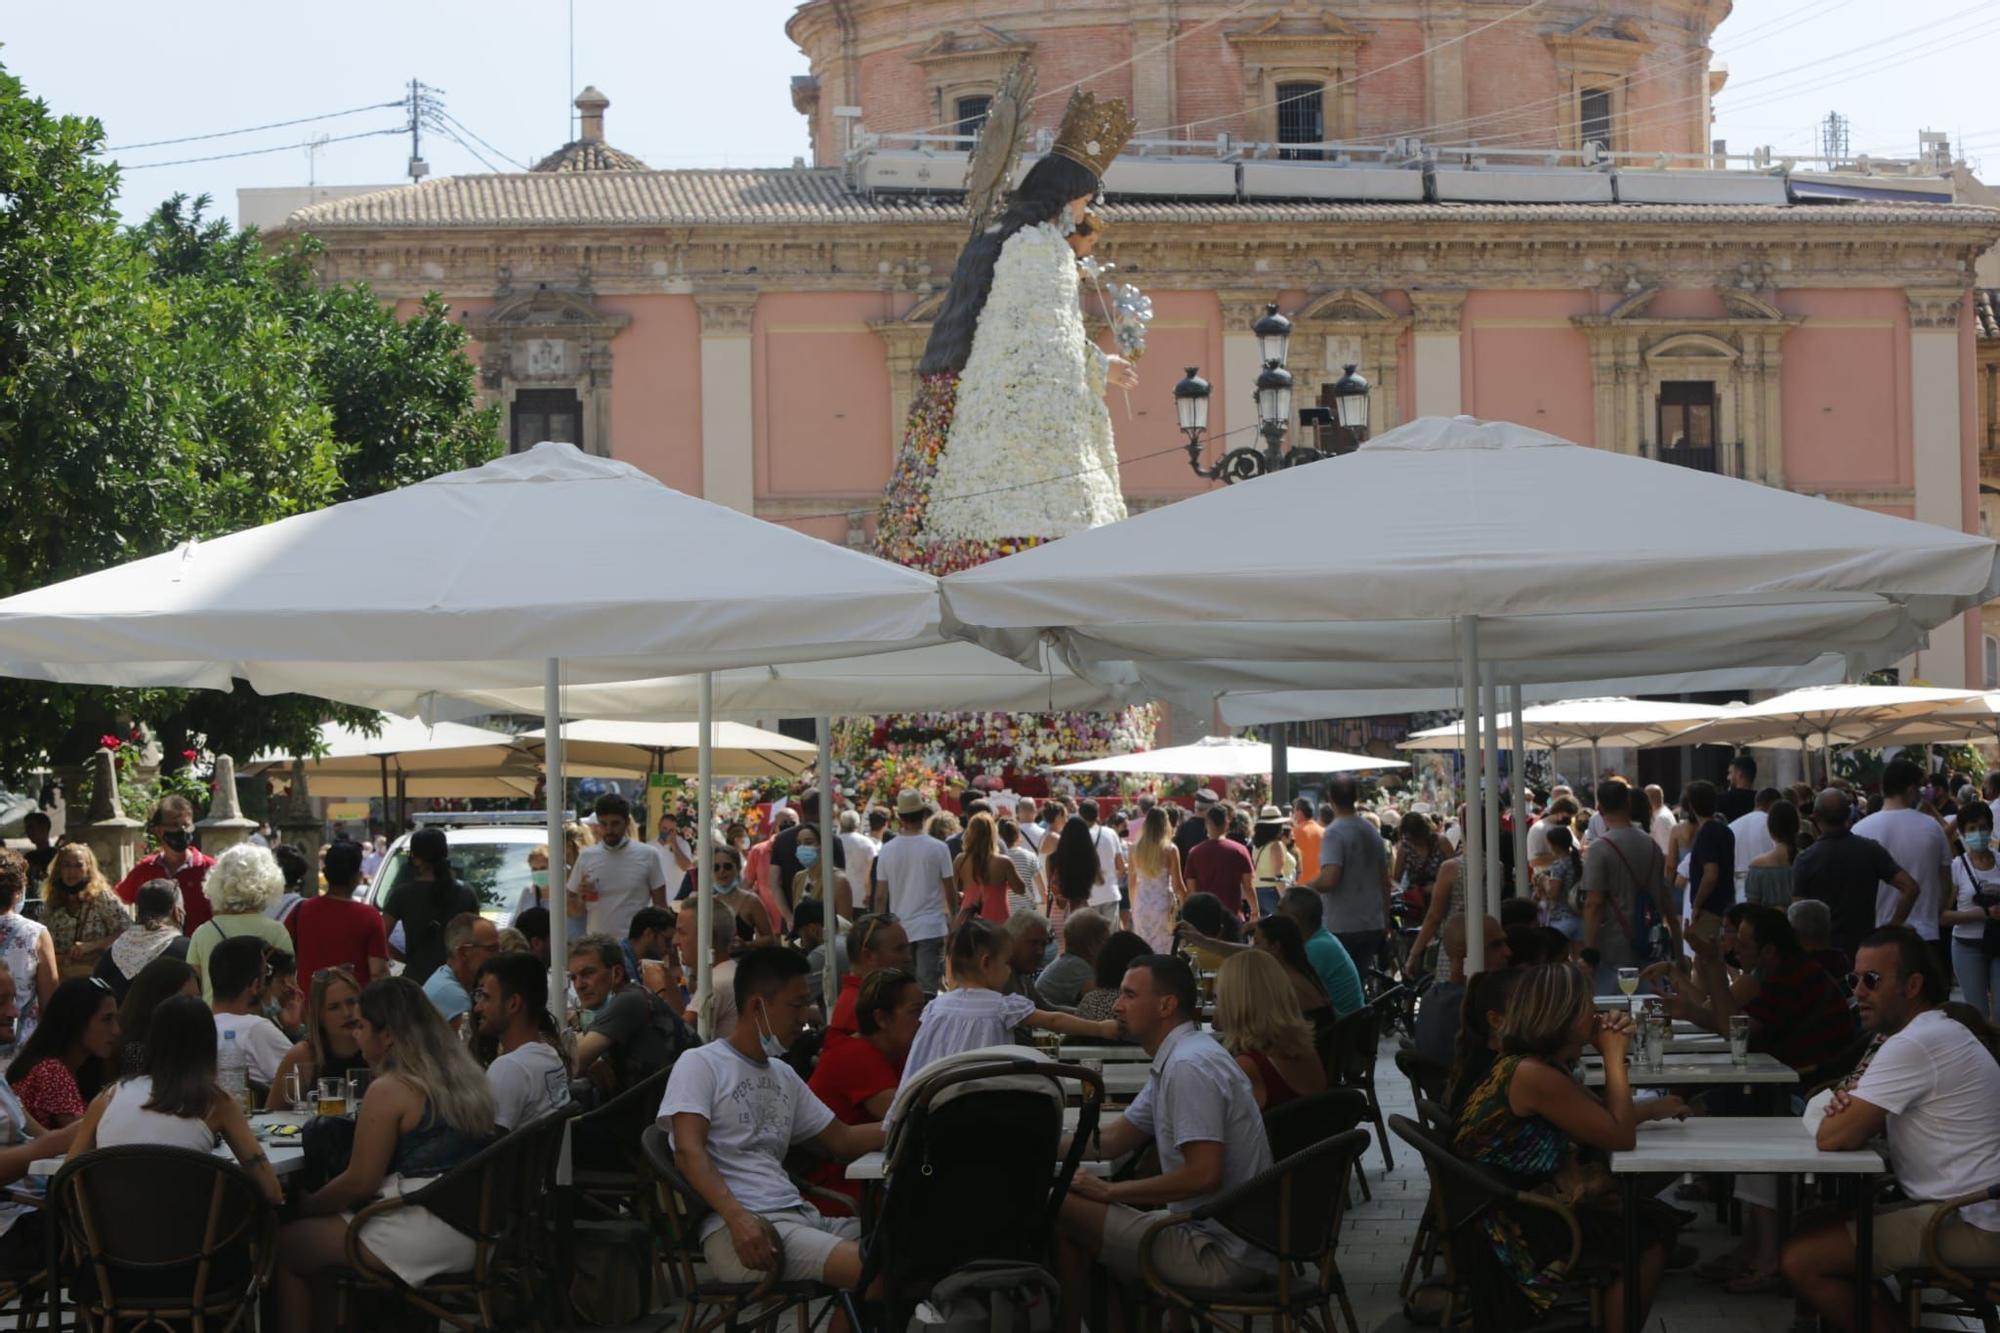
(1968, 720)
(1829, 715)
(1229, 757)
(472, 579)
(420, 758)
(1462, 585)
(736, 749)
(1593, 722)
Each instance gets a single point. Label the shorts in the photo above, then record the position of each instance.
(809, 1240)
(1185, 1256)
(927, 963)
(1899, 1239)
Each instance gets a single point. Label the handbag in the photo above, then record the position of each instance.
(1650, 939)
(1990, 940)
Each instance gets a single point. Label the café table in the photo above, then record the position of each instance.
(1767, 1145)
(1709, 1069)
(1107, 1053)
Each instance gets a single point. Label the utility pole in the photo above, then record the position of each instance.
(418, 167)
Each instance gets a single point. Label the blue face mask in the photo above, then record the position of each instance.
(1978, 840)
(808, 856)
(772, 1047)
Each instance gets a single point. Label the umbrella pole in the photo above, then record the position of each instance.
(1472, 843)
(1596, 769)
(1520, 794)
(552, 790)
(1489, 705)
(829, 926)
(1281, 767)
(704, 912)
(388, 824)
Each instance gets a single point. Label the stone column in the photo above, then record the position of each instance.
(296, 823)
(1436, 354)
(111, 836)
(225, 825)
(728, 444)
(1937, 451)
(1237, 397)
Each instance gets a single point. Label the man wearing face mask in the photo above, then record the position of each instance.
(614, 877)
(733, 1108)
(178, 859)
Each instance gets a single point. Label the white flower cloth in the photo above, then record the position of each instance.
(1030, 410)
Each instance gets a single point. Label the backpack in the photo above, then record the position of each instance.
(993, 1296)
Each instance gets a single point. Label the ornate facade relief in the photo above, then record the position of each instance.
(1634, 354)
(970, 63)
(1350, 327)
(550, 340)
(1599, 53)
(1298, 48)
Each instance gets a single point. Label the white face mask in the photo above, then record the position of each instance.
(773, 1048)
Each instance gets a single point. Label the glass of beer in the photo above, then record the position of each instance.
(332, 1096)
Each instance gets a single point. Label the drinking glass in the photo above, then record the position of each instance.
(1739, 1038)
(295, 1093)
(332, 1098)
(1628, 980)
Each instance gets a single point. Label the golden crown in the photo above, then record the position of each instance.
(1093, 132)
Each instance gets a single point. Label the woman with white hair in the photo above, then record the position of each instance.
(243, 882)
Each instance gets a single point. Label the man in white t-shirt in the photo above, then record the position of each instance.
(237, 973)
(1104, 897)
(1662, 818)
(1032, 829)
(732, 1110)
(675, 851)
(1562, 811)
(913, 871)
(1917, 843)
(529, 1077)
(1932, 1087)
(1753, 835)
(614, 877)
(861, 851)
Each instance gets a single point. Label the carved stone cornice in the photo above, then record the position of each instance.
(1434, 311)
(1298, 39)
(1241, 307)
(1935, 308)
(1600, 43)
(725, 314)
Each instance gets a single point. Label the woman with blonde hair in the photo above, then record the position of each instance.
(83, 915)
(1257, 1014)
(243, 882)
(330, 1049)
(984, 876)
(1158, 888)
(1524, 1123)
(427, 1109)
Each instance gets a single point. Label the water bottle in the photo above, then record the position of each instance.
(232, 1069)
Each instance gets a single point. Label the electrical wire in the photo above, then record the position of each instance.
(256, 152)
(254, 129)
(1023, 485)
(452, 135)
(481, 141)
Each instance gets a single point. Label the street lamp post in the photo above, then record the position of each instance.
(1274, 410)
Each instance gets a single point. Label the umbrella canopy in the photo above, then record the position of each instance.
(673, 747)
(473, 568)
(943, 677)
(1823, 716)
(1438, 522)
(1613, 722)
(1229, 757)
(1974, 719)
(425, 759)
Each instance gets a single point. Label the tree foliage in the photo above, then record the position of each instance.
(177, 380)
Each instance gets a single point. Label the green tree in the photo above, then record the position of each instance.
(175, 381)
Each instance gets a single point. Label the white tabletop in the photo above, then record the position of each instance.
(287, 1154)
(1772, 1144)
(1110, 1053)
(873, 1166)
(1700, 1067)
(1125, 1080)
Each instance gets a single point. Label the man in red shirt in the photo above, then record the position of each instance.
(875, 941)
(178, 859)
(333, 930)
(1219, 866)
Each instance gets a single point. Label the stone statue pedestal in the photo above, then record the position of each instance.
(225, 826)
(112, 836)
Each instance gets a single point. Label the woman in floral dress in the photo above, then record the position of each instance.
(1157, 886)
(25, 946)
(82, 913)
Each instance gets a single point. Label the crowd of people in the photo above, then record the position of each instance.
(127, 1014)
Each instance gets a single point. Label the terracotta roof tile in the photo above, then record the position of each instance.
(571, 197)
(589, 155)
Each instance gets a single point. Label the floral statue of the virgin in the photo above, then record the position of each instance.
(1009, 442)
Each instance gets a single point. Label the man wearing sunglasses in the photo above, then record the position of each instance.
(1932, 1087)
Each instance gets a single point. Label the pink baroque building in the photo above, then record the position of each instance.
(1520, 222)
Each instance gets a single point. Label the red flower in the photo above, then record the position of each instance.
(110, 742)
(190, 755)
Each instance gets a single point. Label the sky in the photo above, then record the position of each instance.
(697, 83)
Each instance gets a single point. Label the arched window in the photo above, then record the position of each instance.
(1301, 119)
(1594, 107)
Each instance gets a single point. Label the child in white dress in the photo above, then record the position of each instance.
(973, 1013)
